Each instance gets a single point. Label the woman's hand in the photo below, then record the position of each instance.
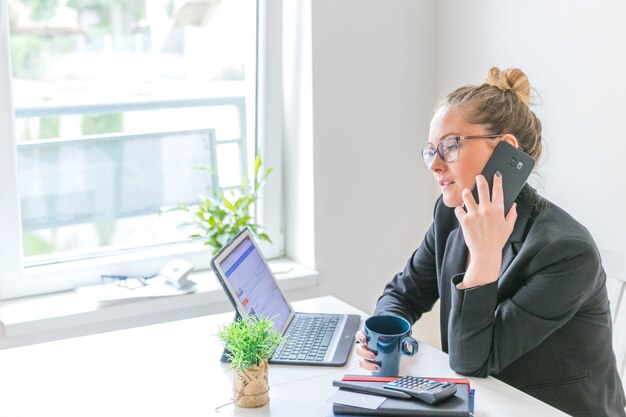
(486, 231)
(366, 356)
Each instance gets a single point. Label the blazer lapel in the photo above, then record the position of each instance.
(455, 255)
(514, 244)
(453, 262)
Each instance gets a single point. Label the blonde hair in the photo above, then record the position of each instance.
(501, 104)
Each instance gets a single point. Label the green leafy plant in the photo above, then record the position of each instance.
(222, 214)
(249, 341)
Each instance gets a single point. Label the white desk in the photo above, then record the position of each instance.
(172, 369)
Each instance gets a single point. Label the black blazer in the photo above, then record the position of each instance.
(543, 327)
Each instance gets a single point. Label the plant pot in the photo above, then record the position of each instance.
(251, 387)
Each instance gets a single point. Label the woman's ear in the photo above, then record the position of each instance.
(511, 139)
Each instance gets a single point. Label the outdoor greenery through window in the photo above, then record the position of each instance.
(116, 102)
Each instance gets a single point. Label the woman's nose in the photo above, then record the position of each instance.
(437, 164)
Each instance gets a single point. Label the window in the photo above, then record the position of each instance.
(115, 103)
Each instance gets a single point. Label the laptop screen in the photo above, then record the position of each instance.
(252, 283)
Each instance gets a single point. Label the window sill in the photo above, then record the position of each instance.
(56, 316)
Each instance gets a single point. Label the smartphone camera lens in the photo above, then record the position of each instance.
(513, 161)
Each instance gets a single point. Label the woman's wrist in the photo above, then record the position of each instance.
(481, 271)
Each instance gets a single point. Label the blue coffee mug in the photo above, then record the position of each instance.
(389, 338)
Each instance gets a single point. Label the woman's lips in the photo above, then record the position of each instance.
(445, 183)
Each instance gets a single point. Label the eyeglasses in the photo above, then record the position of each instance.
(126, 281)
(448, 148)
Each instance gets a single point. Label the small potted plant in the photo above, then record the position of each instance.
(220, 215)
(249, 343)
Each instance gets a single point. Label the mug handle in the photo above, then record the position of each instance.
(404, 346)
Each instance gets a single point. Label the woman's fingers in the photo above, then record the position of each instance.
(511, 216)
(497, 194)
(366, 356)
(483, 189)
(468, 200)
(460, 214)
(362, 351)
(494, 197)
(369, 366)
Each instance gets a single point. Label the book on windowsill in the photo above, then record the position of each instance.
(459, 405)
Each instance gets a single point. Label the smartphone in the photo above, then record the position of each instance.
(515, 166)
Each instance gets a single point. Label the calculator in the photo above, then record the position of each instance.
(427, 390)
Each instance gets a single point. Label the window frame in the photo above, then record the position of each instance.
(265, 128)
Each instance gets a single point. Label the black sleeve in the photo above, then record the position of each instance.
(414, 290)
(486, 336)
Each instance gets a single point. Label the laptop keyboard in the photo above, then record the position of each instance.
(308, 338)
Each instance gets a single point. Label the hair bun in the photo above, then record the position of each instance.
(510, 79)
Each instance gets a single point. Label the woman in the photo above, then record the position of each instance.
(523, 295)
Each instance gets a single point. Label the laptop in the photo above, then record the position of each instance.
(313, 339)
